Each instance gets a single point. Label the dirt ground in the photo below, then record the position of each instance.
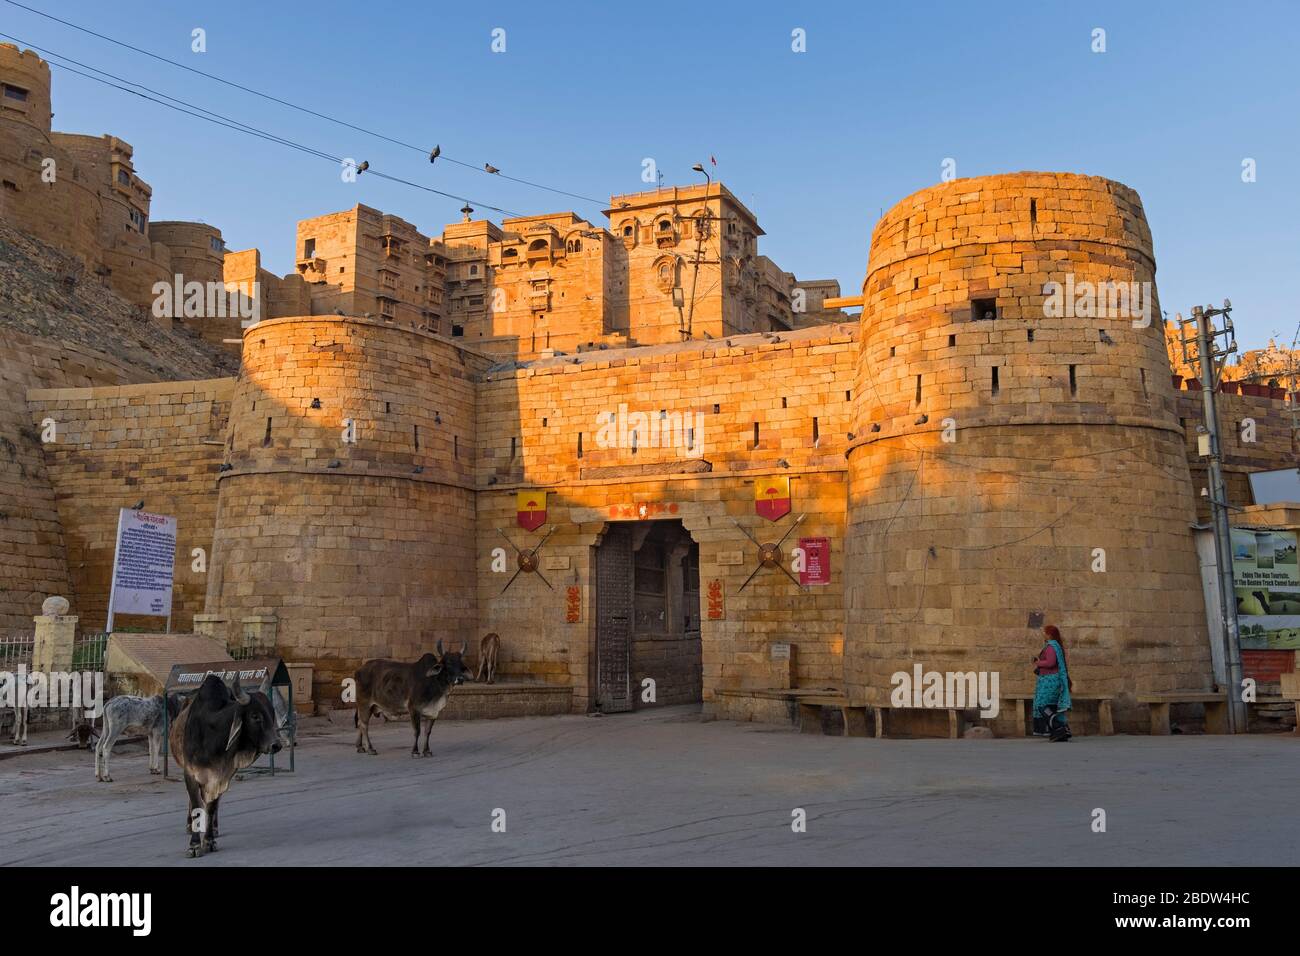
(668, 788)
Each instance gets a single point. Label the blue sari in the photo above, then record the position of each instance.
(1053, 689)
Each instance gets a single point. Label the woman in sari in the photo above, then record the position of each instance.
(1052, 689)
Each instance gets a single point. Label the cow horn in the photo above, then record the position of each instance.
(236, 691)
(439, 648)
(236, 725)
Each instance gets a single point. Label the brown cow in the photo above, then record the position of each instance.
(220, 731)
(420, 690)
(488, 650)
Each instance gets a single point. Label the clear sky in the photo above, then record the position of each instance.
(815, 143)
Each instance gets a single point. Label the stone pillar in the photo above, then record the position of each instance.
(675, 585)
(213, 626)
(259, 634)
(55, 631)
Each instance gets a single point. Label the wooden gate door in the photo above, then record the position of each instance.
(614, 620)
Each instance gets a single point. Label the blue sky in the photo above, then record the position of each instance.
(816, 143)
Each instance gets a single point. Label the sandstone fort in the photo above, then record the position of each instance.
(430, 437)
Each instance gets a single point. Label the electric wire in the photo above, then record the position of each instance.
(422, 150)
(218, 119)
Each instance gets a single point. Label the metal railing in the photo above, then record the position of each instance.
(88, 651)
(16, 648)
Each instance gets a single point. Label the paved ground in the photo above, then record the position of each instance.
(666, 788)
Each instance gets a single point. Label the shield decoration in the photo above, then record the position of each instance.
(772, 497)
(530, 509)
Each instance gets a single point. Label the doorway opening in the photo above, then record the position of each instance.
(647, 616)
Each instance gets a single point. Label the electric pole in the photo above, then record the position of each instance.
(1210, 357)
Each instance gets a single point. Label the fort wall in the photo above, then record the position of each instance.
(362, 547)
(160, 443)
(1053, 423)
(763, 407)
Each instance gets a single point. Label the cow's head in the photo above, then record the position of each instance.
(452, 663)
(254, 725)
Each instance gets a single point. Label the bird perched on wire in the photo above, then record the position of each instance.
(490, 168)
(365, 164)
(437, 151)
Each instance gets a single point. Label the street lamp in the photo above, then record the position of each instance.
(699, 168)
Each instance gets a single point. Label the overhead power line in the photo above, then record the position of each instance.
(218, 119)
(422, 150)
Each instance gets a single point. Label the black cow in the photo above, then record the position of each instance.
(421, 690)
(220, 731)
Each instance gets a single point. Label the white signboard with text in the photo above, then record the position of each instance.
(143, 565)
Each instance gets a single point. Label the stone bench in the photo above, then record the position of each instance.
(1216, 708)
(866, 720)
(856, 716)
(1105, 717)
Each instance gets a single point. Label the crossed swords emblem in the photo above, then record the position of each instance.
(526, 559)
(769, 554)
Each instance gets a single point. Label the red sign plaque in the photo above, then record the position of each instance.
(716, 610)
(817, 561)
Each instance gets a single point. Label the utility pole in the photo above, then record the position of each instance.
(699, 248)
(1210, 357)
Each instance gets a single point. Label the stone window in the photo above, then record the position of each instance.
(627, 229)
(510, 254)
(124, 177)
(216, 245)
(15, 93)
(983, 309)
(473, 270)
(309, 249)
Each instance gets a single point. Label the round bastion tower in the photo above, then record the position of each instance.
(42, 190)
(1015, 447)
(346, 510)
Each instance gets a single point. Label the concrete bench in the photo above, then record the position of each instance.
(1105, 715)
(1216, 708)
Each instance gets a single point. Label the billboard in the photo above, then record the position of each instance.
(1267, 583)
